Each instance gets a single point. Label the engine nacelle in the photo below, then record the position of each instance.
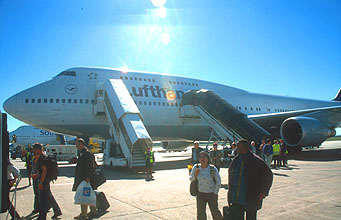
(175, 145)
(305, 131)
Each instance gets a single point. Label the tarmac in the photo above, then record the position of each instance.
(309, 188)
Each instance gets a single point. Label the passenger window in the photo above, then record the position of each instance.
(39, 100)
(57, 100)
(176, 104)
(92, 101)
(144, 79)
(172, 104)
(145, 102)
(170, 82)
(154, 103)
(81, 101)
(150, 103)
(140, 102)
(32, 100)
(126, 78)
(148, 80)
(121, 77)
(140, 79)
(185, 83)
(86, 101)
(45, 100)
(51, 100)
(159, 104)
(182, 83)
(75, 101)
(63, 100)
(69, 101)
(131, 78)
(135, 78)
(163, 104)
(26, 100)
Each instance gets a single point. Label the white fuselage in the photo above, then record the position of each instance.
(65, 103)
(28, 135)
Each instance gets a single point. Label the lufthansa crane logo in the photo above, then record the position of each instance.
(71, 89)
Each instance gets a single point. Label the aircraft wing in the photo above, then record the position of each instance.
(330, 116)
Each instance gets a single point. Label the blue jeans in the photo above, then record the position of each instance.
(46, 200)
(36, 194)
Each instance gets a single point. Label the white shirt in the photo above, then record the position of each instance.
(206, 184)
(10, 170)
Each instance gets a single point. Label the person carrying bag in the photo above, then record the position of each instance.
(85, 195)
(208, 185)
(84, 170)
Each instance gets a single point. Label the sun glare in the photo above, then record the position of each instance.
(161, 12)
(124, 69)
(159, 3)
(165, 38)
(171, 95)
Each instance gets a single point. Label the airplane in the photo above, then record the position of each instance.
(67, 104)
(28, 135)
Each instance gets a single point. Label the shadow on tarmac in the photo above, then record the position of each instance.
(318, 155)
(20, 188)
(280, 174)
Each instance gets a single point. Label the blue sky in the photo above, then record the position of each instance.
(289, 48)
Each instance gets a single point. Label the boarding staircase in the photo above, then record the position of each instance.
(227, 122)
(126, 124)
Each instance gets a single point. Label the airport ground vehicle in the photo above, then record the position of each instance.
(62, 152)
(15, 151)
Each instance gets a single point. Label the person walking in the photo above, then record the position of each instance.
(216, 156)
(261, 150)
(35, 185)
(283, 153)
(195, 153)
(209, 182)
(150, 160)
(276, 153)
(46, 199)
(253, 147)
(84, 169)
(268, 151)
(249, 182)
(28, 164)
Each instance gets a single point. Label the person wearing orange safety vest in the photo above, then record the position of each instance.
(150, 161)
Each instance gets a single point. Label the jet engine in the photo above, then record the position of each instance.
(175, 145)
(304, 131)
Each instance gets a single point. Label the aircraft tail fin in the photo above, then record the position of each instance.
(338, 96)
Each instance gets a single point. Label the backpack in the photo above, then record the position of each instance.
(212, 172)
(52, 167)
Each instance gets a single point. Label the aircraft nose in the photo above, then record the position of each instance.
(10, 105)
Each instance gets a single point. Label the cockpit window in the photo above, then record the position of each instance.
(67, 73)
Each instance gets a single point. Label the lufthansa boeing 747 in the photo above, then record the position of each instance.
(68, 104)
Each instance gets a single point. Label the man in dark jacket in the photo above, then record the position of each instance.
(84, 169)
(250, 180)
